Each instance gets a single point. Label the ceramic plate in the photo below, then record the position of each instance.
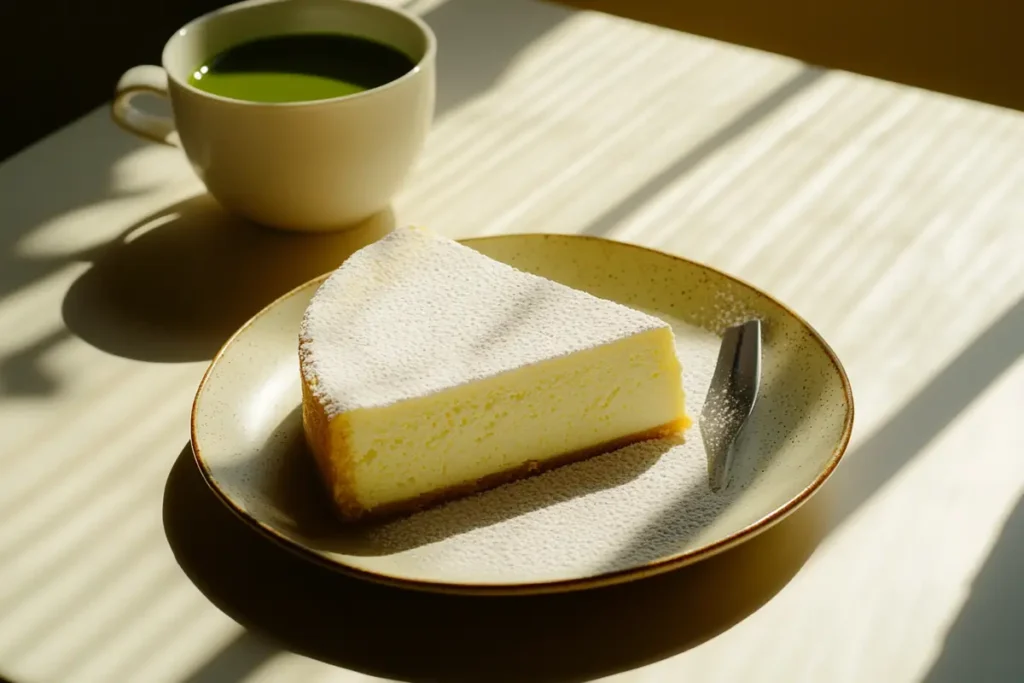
(620, 516)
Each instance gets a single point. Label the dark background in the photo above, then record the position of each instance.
(61, 58)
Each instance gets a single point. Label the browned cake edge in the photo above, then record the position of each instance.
(350, 511)
(335, 472)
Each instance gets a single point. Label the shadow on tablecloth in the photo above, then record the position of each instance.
(984, 643)
(416, 636)
(177, 284)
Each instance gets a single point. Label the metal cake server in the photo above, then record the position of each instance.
(730, 398)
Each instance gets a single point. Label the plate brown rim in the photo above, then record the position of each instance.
(652, 568)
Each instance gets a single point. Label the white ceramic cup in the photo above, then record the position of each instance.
(316, 165)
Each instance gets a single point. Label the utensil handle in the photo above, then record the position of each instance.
(145, 79)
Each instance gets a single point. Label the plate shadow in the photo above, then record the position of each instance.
(175, 286)
(417, 636)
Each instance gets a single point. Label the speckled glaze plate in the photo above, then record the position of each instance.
(617, 517)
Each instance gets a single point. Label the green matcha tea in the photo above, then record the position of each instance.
(299, 68)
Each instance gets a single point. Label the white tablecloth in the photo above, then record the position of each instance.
(891, 218)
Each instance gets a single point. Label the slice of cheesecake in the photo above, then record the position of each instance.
(431, 371)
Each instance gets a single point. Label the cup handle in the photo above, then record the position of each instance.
(139, 80)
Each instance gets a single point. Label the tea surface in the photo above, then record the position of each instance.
(301, 67)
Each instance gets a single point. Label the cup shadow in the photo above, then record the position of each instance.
(175, 286)
(418, 636)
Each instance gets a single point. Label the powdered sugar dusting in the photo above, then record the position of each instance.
(727, 310)
(442, 315)
(609, 513)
